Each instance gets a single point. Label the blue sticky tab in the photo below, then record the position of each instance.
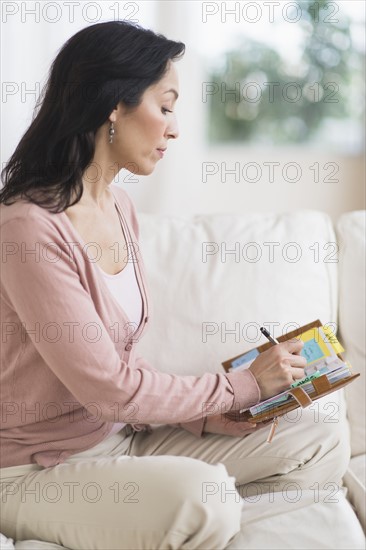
(245, 358)
(311, 351)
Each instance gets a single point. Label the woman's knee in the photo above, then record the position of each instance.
(327, 440)
(208, 493)
(332, 432)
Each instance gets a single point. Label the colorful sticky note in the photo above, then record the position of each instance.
(315, 347)
(247, 357)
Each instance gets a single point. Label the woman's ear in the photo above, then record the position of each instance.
(113, 116)
(118, 110)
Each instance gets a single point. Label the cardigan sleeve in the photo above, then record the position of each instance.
(40, 281)
(240, 384)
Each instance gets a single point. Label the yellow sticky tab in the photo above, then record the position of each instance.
(332, 339)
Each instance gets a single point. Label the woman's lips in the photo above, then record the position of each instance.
(161, 152)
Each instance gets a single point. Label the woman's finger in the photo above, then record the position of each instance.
(297, 373)
(294, 345)
(297, 361)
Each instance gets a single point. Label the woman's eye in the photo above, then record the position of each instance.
(166, 110)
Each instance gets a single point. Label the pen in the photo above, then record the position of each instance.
(265, 333)
(274, 425)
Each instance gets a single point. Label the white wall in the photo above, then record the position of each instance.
(243, 179)
(178, 185)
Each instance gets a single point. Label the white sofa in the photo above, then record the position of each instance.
(214, 279)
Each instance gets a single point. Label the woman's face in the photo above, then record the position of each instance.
(141, 133)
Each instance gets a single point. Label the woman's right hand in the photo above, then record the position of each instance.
(278, 367)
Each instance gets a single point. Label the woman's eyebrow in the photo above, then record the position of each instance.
(174, 92)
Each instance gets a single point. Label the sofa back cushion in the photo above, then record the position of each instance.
(215, 279)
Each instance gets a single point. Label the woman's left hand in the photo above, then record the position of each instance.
(221, 424)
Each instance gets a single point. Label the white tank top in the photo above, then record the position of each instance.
(125, 289)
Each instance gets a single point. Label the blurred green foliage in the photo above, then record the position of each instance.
(257, 96)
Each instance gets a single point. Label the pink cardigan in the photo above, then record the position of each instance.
(69, 364)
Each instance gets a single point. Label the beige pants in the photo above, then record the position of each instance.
(168, 489)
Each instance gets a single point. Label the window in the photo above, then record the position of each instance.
(285, 73)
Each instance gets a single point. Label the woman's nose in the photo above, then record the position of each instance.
(173, 130)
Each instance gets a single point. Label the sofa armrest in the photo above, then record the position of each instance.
(351, 231)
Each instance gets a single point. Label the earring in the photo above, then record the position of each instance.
(111, 132)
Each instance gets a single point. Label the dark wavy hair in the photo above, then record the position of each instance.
(94, 70)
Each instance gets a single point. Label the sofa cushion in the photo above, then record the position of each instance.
(351, 231)
(291, 521)
(215, 279)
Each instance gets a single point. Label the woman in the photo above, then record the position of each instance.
(81, 465)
